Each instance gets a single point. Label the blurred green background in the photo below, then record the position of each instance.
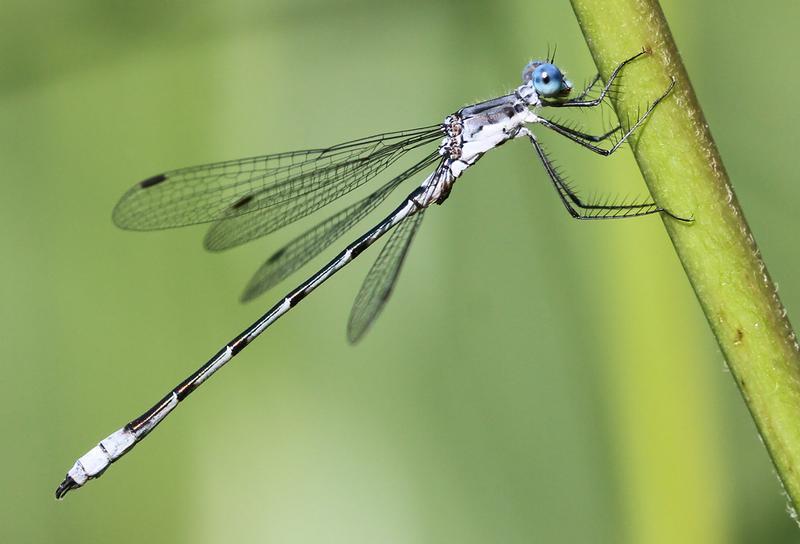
(534, 379)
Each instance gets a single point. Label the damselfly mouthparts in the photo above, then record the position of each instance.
(248, 198)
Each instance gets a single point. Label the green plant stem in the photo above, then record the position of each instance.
(684, 172)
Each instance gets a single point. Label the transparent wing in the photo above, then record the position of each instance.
(313, 241)
(380, 280)
(294, 184)
(237, 228)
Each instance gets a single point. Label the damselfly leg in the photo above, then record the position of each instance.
(579, 209)
(584, 139)
(576, 207)
(587, 89)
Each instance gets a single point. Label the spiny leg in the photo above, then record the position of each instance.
(581, 210)
(579, 101)
(571, 131)
(571, 200)
(584, 139)
(614, 90)
(588, 88)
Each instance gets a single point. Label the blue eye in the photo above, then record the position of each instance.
(548, 80)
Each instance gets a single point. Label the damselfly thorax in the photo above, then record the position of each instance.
(474, 130)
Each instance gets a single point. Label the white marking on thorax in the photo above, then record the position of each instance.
(470, 136)
(482, 132)
(485, 137)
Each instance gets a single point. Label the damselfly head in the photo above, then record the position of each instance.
(546, 79)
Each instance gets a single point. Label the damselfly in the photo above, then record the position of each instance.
(248, 198)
